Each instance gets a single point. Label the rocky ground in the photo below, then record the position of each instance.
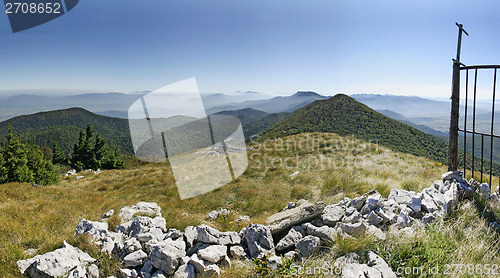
(148, 249)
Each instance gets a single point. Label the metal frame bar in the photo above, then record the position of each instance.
(474, 132)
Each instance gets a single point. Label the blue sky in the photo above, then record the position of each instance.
(276, 47)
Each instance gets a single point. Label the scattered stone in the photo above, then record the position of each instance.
(358, 202)
(284, 220)
(97, 229)
(450, 197)
(374, 219)
(403, 219)
(401, 196)
(428, 218)
(274, 262)
(213, 253)
(484, 190)
(243, 218)
(213, 215)
(134, 259)
(376, 232)
(229, 238)
(355, 229)
(308, 245)
(166, 257)
(408, 231)
(141, 208)
(207, 234)
(428, 204)
(325, 233)
(158, 274)
(290, 205)
(212, 269)
(294, 235)
(197, 263)
(92, 271)
(415, 203)
(108, 214)
(332, 214)
(80, 177)
(351, 215)
(290, 255)
(350, 258)
(185, 271)
(238, 252)
(70, 173)
(259, 240)
(147, 267)
(454, 176)
(129, 273)
(379, 264)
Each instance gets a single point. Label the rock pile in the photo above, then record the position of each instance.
(148, 249)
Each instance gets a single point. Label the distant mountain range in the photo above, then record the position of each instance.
(273, 105)
(107, 104)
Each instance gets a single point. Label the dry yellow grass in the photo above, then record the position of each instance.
(42, 217)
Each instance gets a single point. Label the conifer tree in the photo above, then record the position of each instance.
(16, 159)
(59, 157)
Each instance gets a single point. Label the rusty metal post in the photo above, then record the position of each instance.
(455, 100)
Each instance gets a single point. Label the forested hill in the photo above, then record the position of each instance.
(344, 115)
(63, 126)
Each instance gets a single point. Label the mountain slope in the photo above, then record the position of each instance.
(254, 121)
(343, 115)
(63, 127)
(400, 118)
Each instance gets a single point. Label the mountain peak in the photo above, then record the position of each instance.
(306, 94)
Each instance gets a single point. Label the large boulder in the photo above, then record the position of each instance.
(167, 255)
(259, 240)
(57, 263)
(282, 221)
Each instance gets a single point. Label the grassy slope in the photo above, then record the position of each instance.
(43, 217)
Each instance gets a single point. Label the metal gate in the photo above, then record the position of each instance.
(475, 161)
